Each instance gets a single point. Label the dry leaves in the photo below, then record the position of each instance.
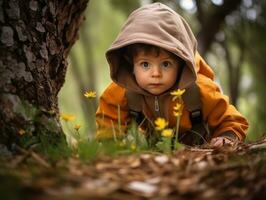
(229, 173)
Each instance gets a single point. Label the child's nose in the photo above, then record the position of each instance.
(156, 72)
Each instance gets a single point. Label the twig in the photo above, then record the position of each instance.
(199, 149)
(257, 147)
(14, 163)
(27, 154)
(40, 160)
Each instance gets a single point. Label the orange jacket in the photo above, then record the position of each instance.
(158, 25)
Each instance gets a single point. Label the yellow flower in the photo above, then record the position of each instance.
(77, 127)
(177, 114)
(90, 94)
(178, 107)
(21, 131)
(167, 132)
(160, 123)
(133, 147)
(178, 92)
(67, 117)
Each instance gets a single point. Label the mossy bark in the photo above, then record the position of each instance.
(35, 40)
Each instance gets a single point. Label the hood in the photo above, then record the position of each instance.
(154, 24)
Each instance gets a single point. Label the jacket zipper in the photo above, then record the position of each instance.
(156, 105)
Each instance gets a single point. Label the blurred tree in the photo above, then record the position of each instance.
(35, 40)
(234, 60)
(211, 17)
(256, 47)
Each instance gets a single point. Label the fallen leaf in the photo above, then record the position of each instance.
(143, 188)
(161, 159)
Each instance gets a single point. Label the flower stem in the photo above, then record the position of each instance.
(177, 130)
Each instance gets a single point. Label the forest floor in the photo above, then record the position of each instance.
(237, 172)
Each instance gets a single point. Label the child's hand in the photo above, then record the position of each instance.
(218, 142)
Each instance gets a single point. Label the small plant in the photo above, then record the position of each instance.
(164, 138)
(135, 139)
(165, 145)
(73, 136)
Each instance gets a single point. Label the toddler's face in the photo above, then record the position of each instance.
(155, 73)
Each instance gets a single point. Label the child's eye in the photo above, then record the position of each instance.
(166, 64)
(144, 64)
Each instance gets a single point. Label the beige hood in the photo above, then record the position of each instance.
(158, 25)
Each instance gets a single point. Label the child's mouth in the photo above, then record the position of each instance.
(155, 84)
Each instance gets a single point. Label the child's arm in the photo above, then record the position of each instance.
(225, 122)
(112, 113)
(222, 117)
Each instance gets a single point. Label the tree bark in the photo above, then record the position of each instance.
(35, 40)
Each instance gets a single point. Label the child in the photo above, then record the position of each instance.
(154, 54)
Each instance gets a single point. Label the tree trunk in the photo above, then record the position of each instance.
(35, 40)
(234, 68)
(211, 19)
